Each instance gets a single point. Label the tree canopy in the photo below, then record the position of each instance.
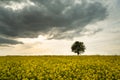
(78, 47)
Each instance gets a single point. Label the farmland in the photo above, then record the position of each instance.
(59, 67)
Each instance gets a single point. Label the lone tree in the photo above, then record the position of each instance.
(78, 47)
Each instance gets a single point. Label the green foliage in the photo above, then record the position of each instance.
(60, 68)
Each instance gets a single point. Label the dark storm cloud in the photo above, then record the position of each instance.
(56, 18)
(5, 41)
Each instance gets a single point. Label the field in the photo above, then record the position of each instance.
(60, 67)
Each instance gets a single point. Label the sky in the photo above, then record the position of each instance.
(50, 27)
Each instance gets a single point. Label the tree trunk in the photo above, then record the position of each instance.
(78, 53)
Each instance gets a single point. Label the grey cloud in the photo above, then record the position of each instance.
(88, 32)
(6, 41)
(45, 15)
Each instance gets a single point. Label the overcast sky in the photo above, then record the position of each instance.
(50, 27)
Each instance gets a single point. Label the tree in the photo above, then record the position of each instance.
(78, 47)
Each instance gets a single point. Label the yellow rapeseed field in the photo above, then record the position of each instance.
(60, 68)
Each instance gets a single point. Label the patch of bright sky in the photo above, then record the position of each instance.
(19, 5)
(40, 38)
